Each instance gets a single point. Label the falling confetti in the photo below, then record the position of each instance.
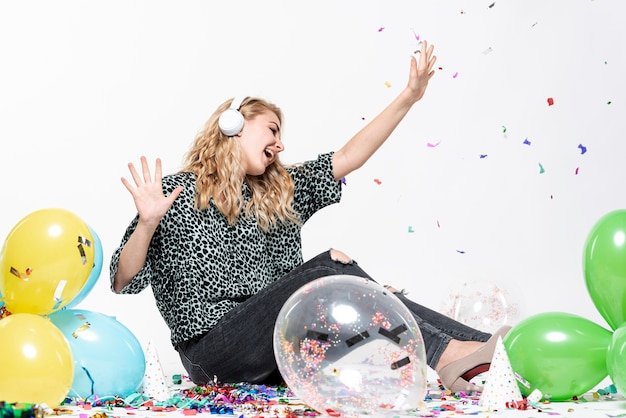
(583, 149)
(541, 170)
(381, 29)
(460, 251)
(492, 4)
(487, 51)
(550, 101)
(438, 225)
(431, 145)
(526, 141)
(503, 129)
(455, 75)
(483, 156)
(576, 172)
(534, 24)
(344, 181)
(411, 229)
(417, 37)
(377, 181)
(388, 84)
(609, 102)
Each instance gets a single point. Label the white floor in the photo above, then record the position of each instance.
(590, 405)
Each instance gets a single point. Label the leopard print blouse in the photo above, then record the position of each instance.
(200, 267)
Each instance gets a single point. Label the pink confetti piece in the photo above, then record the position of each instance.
(550, 101)
(417, 37)
(381, 29)
(377, 182)
(431, 145)
(576, 172)
(455, 75)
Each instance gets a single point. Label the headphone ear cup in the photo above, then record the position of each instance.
(231, 122)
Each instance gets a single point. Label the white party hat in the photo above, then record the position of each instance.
(501, 386)
(153, 384)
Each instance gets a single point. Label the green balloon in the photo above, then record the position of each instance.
(604, 267)
(616, 359)
(560, 354)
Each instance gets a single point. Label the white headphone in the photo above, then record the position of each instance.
(231, 120)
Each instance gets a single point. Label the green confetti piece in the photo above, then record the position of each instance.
(541, 170)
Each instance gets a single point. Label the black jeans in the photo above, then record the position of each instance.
(240, 347)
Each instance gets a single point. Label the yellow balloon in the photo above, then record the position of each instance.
(36, 365)
(45, 261)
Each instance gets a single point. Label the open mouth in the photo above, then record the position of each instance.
(269, 154)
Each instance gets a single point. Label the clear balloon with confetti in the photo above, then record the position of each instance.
(346, 345)
(484, 304)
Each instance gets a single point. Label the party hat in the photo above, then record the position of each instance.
(153, 384)
(501, 388)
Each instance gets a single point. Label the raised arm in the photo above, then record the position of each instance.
(151, 206)
(363, 145)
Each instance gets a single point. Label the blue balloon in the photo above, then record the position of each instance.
(93, 276)
(108, 358)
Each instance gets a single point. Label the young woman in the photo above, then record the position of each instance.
(219, 242)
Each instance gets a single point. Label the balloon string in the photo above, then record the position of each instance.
(91, 380)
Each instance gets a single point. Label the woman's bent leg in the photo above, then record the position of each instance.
(240, 347)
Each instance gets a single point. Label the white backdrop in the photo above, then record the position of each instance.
(88, 86)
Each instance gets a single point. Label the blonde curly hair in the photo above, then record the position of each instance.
(215, 159)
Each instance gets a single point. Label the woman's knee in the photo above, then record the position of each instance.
(340, 256)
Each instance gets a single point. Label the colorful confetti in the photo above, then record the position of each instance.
(541, 170)
(483, 156)
(526, 142)
(583, 149)
(387, 84)
(377, 181)
(550, 101)
(432, 145)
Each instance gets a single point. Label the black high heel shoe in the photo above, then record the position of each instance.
(456, 376)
